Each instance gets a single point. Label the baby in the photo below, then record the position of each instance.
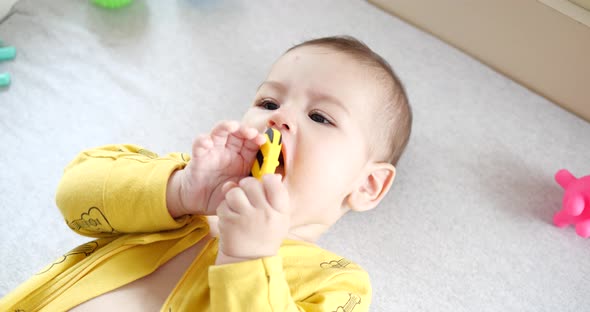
(180, 233)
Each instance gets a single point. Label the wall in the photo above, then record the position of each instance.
(526, 40)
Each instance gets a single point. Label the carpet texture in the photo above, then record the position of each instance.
(467, 225)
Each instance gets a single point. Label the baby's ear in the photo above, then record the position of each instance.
(374, 185)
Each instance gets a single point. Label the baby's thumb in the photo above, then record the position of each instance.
(276, 192)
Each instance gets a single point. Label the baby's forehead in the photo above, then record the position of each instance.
(327, 64)
(308, 53)
(328, 71)
(336, 61)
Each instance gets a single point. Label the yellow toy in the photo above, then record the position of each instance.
(267, 158)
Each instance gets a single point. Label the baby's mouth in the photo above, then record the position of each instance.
(281, 167)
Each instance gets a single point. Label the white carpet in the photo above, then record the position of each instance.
(467, 226)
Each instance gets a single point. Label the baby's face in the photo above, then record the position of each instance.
(322, 102)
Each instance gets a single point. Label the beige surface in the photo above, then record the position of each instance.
(573, 10)
(526, 40)
(583, 3)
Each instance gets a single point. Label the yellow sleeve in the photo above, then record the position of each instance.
(260, 285)
(117, 189)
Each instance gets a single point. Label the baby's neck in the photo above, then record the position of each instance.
(307, 233)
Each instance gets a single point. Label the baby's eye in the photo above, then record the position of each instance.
(319, 118)
(270, 105)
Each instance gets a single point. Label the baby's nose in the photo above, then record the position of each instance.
(279, 126)
(279, 121)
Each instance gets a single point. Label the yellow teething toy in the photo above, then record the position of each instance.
(267, 158)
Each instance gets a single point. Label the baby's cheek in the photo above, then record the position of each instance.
(318, 172)
(327, 179)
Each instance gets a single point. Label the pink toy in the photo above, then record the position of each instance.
(576, 202)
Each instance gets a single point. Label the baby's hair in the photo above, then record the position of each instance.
(396, 113)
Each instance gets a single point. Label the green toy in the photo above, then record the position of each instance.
(4, 79)
(6, 53)
(112, 4)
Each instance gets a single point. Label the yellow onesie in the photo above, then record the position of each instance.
(117, 193)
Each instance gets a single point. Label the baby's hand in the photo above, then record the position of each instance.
(254, 219)
(225, 154)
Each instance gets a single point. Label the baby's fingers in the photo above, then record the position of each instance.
(237, 201)
(248, 133)
(245, 138)
(224, 211)
(255, 192)
(201, 145)
(222, 130)
(228, 186)
(276, 193)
